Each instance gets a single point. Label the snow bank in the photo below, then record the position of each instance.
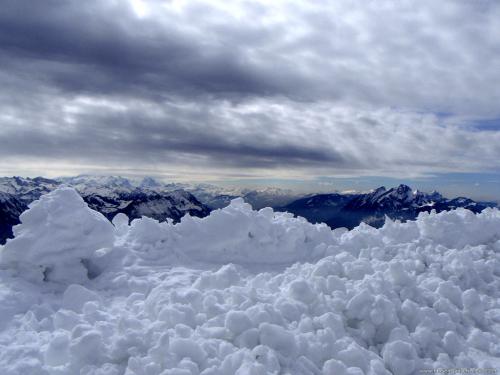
(296, 298)
(56, 237)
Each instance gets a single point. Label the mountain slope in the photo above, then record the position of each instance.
(10, 209)
(319, 208)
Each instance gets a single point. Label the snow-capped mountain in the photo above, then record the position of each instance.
(138, 203)
(397, 198)
(211, 195)
(108, 195)
(103, 185)
(401, 202)
(27, 189)
(404, 203)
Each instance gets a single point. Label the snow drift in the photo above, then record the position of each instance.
(246, 292)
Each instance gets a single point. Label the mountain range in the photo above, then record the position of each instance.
(162, 201)
(398, 203)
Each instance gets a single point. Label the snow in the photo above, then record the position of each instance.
(57, 235)
(246, 292)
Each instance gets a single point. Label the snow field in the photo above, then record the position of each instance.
(246, 292)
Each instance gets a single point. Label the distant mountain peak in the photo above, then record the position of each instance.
(403, 188)
(149, 182)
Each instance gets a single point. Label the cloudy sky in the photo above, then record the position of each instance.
(334, 93)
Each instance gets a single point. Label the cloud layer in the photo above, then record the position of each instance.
(250, 88)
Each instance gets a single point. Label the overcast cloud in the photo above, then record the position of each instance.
(291, 89)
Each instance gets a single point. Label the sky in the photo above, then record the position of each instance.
(328, 94)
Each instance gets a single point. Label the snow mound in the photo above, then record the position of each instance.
(252, 292)
(235, 234)
(56, 237)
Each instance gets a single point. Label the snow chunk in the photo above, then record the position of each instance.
(238, 322)
(301, 291)
(400, 357)
(186, 348)
(332, 366)
(57, 234)
(75, 297)
(277, 338)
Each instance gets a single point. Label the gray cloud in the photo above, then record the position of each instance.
(169, 134)
(434, 56)
(298, 138)
(306, 88)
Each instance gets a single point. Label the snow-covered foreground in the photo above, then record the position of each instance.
(246, 292)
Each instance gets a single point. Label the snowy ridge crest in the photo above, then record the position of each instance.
(246, 292)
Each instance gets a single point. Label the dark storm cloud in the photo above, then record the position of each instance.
(97, 47)
(164, 145)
